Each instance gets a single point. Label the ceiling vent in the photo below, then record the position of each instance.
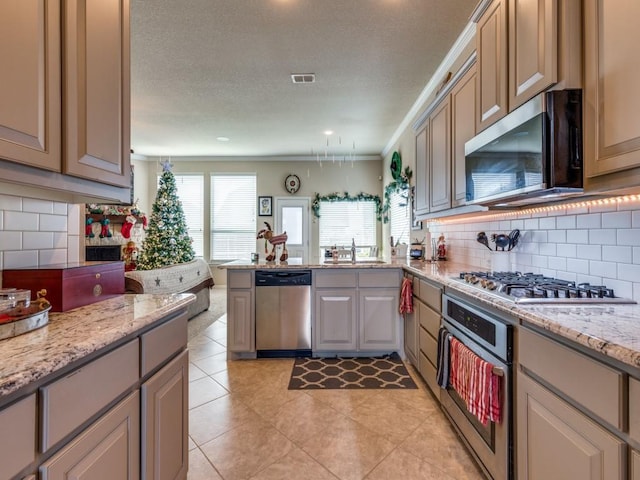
(303, 77)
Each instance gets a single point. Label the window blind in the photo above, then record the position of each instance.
(341, 221)
(400, 216)
(190, 191)
(233, 216)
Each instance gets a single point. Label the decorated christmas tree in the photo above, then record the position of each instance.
(167, 241)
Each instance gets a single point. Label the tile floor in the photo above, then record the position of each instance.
(245, 424)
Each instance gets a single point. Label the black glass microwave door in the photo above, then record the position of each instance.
(510, 163)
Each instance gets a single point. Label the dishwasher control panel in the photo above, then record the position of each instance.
(277, 278)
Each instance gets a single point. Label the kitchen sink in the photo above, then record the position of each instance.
(347, 261)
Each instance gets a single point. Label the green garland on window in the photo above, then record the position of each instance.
(401, 185)
(345, 197)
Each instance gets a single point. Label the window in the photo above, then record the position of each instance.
(190, 191)
(400, 216)
(233, 216)
(341, 221)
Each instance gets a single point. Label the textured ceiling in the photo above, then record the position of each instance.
(202, 69)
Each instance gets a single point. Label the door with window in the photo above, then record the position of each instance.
(292, 216)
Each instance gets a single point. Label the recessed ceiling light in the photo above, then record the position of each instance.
(328, 132)
(222, 139)
(303, 77)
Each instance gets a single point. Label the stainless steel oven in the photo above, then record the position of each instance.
(490, 336)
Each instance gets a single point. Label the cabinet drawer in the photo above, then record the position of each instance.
(634, 409)
(566, 370)
(429, 346)
(635, 465)
(237, 279)
(334, 279)
(18, 439)
(431, 295)
(161, 343)
(69, 402)
(379, 278)
(429, 374)
(429, 319)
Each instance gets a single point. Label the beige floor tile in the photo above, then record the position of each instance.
(437, 443)
(247, 449)
(195, 373)
(296, 464)
(349, 451)
(192, 444)
(204, 390)
(200, 468)
(212, 419)
(213, 364)
(343, 401)
(402, 465)
(203, 350)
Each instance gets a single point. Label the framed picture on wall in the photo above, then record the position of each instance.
(264, 206)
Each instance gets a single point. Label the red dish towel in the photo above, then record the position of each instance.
(406, 296)
(474, 380)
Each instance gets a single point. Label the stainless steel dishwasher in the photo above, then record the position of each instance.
(283, 313)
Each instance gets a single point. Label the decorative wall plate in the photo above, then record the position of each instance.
(292, 183)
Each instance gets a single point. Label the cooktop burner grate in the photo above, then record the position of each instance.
(537, 288)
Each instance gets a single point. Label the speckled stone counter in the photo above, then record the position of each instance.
(77, 333)
(612, 330)
(296, 263)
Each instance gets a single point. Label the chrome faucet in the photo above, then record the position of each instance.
(353, 251)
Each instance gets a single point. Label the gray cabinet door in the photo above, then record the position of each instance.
(557, 441)
(379, 319)
(422, 173)
(240, 324)
(18, 438)
(335, 320)
(108, 450)
(411, 336)
(165, 422)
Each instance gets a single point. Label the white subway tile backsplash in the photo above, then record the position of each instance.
(37, 206)
(539, 236)
(53, 257)
(61, 208)
(74, 219)
(531, 224)
(20, 221)
(9, 202)
(603, 269)
(73, 248)
(548, 223)
(616, 220)
(567, 250)
(567, 222)
(636, 255)
(630, 236)
(593, 220)
(19, 259)
(618, 254)
(635, 219)
(578, 266)
(10, 240)
(557, 236)
(629, 272)
(548, 249)
(590, 252)
(603, 236)
(559, 263)
(591, 279)
(53, 223)
(539, 261)
(622, 288)
(37, 240)
(578, 236)
(60, 239)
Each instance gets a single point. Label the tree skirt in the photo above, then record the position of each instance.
(350, 373)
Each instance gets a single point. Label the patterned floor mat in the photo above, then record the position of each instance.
(350, 373)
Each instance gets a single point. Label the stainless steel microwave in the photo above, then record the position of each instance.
(532, 155)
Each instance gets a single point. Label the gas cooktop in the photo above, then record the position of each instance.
(528, 288)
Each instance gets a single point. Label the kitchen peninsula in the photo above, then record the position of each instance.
(101, 388)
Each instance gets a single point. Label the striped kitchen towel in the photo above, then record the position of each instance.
(406, 296)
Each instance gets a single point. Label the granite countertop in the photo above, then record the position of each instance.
(72, 335)
(610, 329)
(296, 263)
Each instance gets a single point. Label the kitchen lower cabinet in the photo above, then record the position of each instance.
(18, 450)
(378, 319)
(335, 320)
(634, 463)
(556, 440)
(411, 328)
(108, 450)
(165, 422)
(240, 311)
(427, 304)
(611, 97)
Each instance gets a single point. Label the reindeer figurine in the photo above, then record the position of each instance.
(274, 240)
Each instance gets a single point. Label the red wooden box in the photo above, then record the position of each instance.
(71, 285)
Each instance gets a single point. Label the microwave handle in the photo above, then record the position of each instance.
(575, 162)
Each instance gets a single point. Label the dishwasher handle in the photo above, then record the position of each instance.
(266, 278)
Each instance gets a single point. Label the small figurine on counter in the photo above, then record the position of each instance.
(442, 248)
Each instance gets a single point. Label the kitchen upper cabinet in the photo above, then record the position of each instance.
(439, 157)
(96, 90)
(30, 116)
(422, 169)
(557, 441)
(491, 47)
(533, 44)
(463, 128)
(611, 94)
